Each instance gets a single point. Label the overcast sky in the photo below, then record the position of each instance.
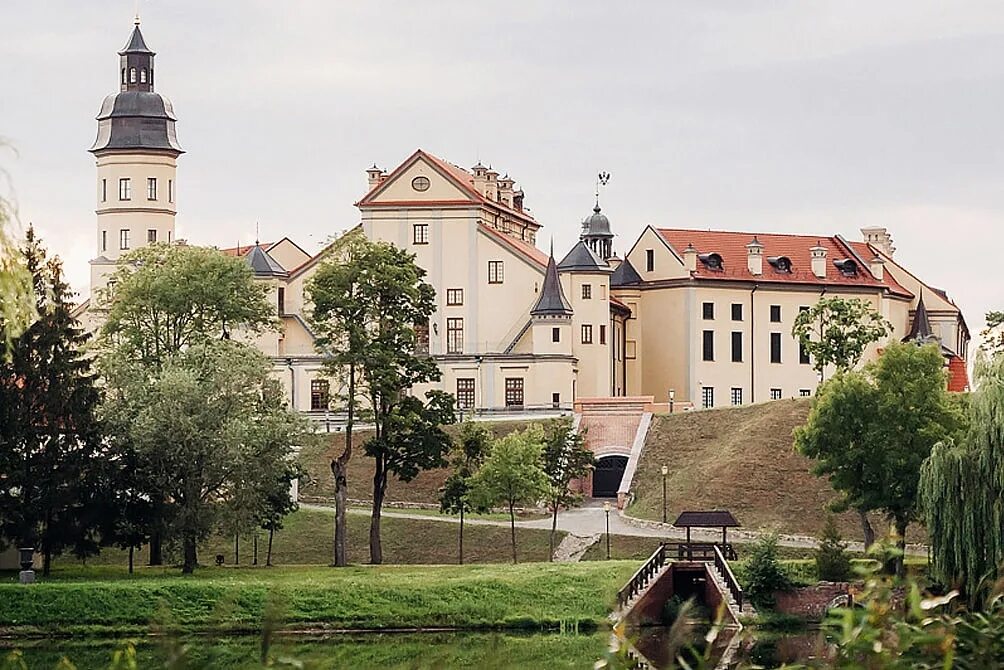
(810, 117)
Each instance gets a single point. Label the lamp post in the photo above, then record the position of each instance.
(327, 419)
(26, 556)
(606, 511)
(672, 397)
(665, 471)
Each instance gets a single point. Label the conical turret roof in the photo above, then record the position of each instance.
(262, 264)
(552, 300)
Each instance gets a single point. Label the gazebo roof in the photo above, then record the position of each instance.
(706, 519)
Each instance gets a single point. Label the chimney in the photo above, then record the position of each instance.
(690, 258)
(754, 257)
(877, 267)
(480, 173)
(506, 191)
(818, 254)
(374, 175)
(879, 238)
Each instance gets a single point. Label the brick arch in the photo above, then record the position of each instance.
(611, 450)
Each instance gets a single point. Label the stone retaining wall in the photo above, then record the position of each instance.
(812, 602)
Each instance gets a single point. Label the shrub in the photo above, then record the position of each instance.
(764, 573)
(832, 562)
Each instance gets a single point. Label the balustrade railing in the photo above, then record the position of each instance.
(722, 566)
(642, 576)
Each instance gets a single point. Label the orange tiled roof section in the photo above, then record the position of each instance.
(462, 177)
(732, 248)
(525, 249)
(241, 250)
(958, 377)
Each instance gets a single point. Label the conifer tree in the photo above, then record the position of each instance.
(51, 456)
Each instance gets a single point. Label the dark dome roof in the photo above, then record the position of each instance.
(596, 225)
(136, 120)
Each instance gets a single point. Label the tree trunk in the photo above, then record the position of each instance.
(339, 469)
(131, 549)
(866, 529)
(512, 527)
(379, 489)
(46, 561)
(191, 556)
(237, 549)
(254, 548)
(156, 549)
(268, 556)
(461, 533)
(901, 525)
(554, 529)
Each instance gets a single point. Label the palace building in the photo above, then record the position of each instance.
(705, 315)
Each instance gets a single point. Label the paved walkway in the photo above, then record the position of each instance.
(590, 519)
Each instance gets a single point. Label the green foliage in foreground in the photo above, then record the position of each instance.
(531, 596)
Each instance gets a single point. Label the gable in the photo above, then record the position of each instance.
(398, 186)
(667, 264)
(288, 254)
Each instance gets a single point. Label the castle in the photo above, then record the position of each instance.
(702, 318)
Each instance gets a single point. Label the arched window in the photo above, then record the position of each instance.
(132, 75)
(142, 76)
(124, 80)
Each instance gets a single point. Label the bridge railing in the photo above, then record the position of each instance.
(722, 566)
(699, 551)
(642, 576)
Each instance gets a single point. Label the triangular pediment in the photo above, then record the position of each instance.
(423, 178)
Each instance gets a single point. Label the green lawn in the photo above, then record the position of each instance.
(106, 601)
(306, 539)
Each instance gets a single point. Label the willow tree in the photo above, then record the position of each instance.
(17, 299)
(962, 491)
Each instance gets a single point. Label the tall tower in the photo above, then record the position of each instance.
(136, 153)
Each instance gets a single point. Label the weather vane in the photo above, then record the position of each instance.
(601, 180)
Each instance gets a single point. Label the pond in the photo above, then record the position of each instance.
(397, 651)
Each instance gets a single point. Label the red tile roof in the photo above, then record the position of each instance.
(731, 246)
(524, 249)
(240, 251)
(958, 377)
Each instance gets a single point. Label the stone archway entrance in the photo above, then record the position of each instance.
(607, 475)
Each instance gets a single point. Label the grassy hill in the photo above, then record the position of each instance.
(741, 459)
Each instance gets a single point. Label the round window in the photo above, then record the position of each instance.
(420, 183)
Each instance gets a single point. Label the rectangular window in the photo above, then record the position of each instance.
(587, 334)
(318, 394)
(170, 190)
(454, 335)
(556, 334)
(649, 260)
(803, 355)
(169, 237)
(281, 300)
(496, 272)
(454, 297)
(151, 236)
(422, 338)
(737, 395)
(775, 313)
(104, 240)
(513, 391)
(805, 393)
(125, 189)
(420, 233)
(555, 400)
(737, 347)
(708, 310)
(465, 392)
(603, 334)
(775, 347)
(104, 190)
(709, 345)
(151, 188)
(775, 394)
(124, 238)
(707, 397)
(737, 311)
(587, 291)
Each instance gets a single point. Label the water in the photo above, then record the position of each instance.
(396, 651)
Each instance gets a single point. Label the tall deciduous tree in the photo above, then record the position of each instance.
(368, 305)
(565, 458)
(870, 431)
(993, 334)
(468, 454)
(513, 475)
(162, 300)
(214, 422)
(836, 331)
(17, 299)
(51, 451)
(962, 491)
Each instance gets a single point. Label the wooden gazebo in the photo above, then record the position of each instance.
(708, 519)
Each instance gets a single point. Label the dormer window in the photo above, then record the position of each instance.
(712, 261)
(780, 263)
(847, 267)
